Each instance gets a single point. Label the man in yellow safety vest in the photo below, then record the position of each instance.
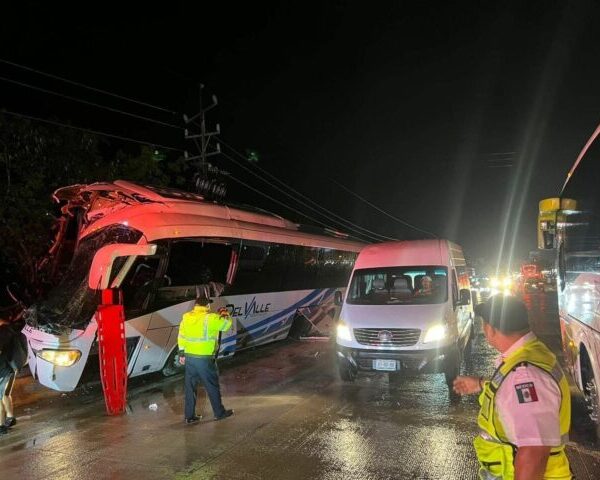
(198, 343)
(525, 408)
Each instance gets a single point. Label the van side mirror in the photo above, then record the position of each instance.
(465, 297)
(103, 261)
(337, 298)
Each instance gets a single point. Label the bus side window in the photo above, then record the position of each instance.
(194, 264)
(261, 267)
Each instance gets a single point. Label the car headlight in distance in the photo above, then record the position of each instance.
(62, 358)
(494, 283)
(343, 332)
(507, 282)
(435, 333)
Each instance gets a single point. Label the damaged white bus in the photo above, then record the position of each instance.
(160, 246)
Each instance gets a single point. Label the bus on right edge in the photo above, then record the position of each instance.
(570, 224)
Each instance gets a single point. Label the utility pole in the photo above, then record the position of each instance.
(207, 177)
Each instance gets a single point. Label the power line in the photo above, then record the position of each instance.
(367, 235)
(345, 222)
(86, 102)
(94, 132)
(94, 89)
(312, 219)
(381, 210)
(347, 189)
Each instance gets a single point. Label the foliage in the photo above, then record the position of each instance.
(37, 159)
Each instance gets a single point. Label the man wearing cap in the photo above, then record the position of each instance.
(525, 408)
(198, 343)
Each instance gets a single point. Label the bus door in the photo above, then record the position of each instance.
(145, 345)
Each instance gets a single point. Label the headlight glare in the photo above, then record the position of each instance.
(435, 334)
(343, 332)
(62, 358)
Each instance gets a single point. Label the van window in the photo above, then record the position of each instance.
(399, 286)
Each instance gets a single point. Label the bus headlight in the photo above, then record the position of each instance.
(62, 358)
(435, 334)
(343, 332)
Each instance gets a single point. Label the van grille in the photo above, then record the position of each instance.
(389, 337)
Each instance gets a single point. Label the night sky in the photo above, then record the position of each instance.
(455, 118)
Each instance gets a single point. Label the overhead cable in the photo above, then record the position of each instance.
(399, 220)
(344, 221)
(86, 102)
(312, 219)
(94, 89)
(94, 132)
(293, 198)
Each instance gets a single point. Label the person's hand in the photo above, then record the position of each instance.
(223, 312)
(181, 360)
(466, 385)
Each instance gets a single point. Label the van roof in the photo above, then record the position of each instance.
(409, 252)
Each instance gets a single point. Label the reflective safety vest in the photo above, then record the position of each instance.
(199, 332)
(495, 453)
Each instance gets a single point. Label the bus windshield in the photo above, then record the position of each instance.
(71, 304)
(418, 285)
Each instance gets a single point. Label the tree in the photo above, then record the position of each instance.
(35, 160)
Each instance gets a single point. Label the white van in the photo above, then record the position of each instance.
(407, 308)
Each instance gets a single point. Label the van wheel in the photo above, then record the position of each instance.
(172, 366)
(347, 372)
(452, 367)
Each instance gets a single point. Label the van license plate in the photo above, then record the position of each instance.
(388, 365)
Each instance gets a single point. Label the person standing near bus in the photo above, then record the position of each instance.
(13, 356)
(198, 342)
(525, 412)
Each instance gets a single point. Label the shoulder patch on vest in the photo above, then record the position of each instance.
(526, 392)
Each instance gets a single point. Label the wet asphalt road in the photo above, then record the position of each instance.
(294, 420)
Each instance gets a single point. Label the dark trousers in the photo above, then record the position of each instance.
(202, 370)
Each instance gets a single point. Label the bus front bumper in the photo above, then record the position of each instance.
(57, 361)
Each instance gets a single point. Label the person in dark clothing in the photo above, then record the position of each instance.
(13, 355)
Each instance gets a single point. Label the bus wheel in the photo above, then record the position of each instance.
(347, 372)
(172, 366)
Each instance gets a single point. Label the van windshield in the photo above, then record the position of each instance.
(399, 286)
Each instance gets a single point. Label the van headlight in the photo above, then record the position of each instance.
(62, 358)
(343, 332)
(435, 334)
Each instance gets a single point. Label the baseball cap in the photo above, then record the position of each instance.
(505, 313)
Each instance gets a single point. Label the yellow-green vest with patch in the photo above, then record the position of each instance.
(495, 453)
(199, 332)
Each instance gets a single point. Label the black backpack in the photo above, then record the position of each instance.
(13, 346)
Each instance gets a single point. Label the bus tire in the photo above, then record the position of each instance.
(172, 365)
